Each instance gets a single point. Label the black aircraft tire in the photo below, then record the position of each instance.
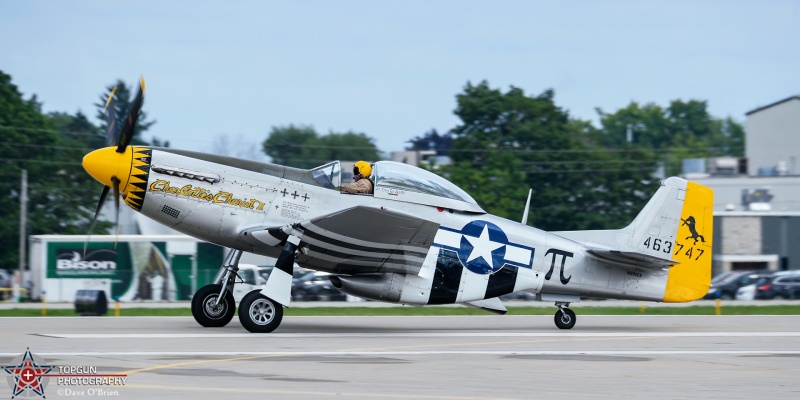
(208, 315)
(566, 320)
(259, 313)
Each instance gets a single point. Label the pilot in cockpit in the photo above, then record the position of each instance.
(361, 184)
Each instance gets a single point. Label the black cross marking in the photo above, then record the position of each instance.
(284, 192)
(305, 197)
(294, 195)
(276, 206)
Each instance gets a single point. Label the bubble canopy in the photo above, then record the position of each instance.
(406, 183)
(403, 182)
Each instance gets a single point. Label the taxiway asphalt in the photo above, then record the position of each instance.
(441, 357)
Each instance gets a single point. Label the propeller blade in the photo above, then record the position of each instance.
(103, 196)
(110, 98)
(112, 129)
(129, 124)
(116, 182)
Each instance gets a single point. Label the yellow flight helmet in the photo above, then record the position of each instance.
(363, 168)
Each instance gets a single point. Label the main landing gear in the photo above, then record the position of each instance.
(213, 305)
(209, 309)
(259, 313)
(565, 318)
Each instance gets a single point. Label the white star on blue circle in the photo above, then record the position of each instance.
(483, 247)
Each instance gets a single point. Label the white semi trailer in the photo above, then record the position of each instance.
(128, 267)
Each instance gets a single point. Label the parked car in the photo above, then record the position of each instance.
(725, 285)
(748, 292)
(254, 277)
(299, 272)
(251, 279)
(315, 286)
(5, 283)
(264, 271)
(781, 285)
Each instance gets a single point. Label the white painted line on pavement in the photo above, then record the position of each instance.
(409, 335)
(422, 352)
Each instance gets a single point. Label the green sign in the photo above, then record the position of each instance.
(136, 270)
(102, 260)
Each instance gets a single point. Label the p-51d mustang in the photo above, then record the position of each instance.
(417, 240)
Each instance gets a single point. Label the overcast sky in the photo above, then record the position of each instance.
(392, 69)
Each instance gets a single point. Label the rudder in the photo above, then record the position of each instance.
(678, 224)
(691, 279)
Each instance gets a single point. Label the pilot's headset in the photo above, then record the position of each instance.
(363, 168)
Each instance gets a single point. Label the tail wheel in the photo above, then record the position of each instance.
(565, 318)
(259, 313)
(207, 312)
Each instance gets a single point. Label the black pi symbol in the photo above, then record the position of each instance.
(691, 223)
(556, 253)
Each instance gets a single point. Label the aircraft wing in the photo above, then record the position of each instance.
(357, 240)
(632, 258)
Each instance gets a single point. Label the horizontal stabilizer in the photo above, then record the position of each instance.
(493, 305)
(632, 258)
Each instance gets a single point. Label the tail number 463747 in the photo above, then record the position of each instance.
(665, 246)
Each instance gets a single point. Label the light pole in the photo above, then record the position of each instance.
(23, 223)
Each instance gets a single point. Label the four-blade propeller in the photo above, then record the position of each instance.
(120, 130)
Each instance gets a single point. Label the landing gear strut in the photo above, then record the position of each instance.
(213, 305)
(261, 314)
(565, 318)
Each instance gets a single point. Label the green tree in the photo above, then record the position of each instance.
(78, 128)
(685, 129)
(495, 185)
(508, 142)
(301, 146)
(432, 140)
(61, 196)
(292, 146)
(348, 146)
(124, 95)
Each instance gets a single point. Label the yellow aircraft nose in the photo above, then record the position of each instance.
(102, 164)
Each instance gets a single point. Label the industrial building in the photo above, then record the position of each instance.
(757, 198)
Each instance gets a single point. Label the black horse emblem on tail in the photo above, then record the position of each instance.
(690, 222)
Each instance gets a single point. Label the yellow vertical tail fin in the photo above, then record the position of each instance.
(691, 279)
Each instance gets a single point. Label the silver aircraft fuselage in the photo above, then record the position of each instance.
(220, 200)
